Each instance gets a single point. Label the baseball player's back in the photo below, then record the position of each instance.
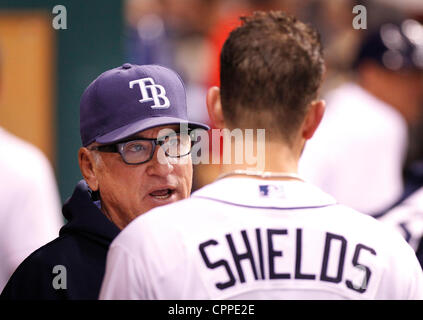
(248, 238)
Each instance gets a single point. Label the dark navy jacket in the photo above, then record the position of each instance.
(81, 248)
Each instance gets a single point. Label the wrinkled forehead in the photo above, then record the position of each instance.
(157, 131)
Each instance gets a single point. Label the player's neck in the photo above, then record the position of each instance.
(277, 158)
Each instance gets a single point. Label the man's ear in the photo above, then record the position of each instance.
(313, 117)
(214, 107)
(87, 165)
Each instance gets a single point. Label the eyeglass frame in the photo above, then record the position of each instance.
(118, 146)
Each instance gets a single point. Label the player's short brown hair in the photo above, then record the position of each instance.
(271, 69)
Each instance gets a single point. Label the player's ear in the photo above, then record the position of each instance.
(214, 107)
(87, 164)
(313, 117)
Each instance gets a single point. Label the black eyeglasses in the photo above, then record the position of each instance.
(141, 150)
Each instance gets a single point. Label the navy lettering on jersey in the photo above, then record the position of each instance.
(239, 257)
(363, 287)
(330, 237)
(255, 247)
(273, 254)
(220, 263)
(298, 274)
(260, 252)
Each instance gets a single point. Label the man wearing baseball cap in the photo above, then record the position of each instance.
(135, 156)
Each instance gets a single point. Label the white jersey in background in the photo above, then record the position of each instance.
(407, 218)
(30, 209)
(246, 238)
(357, 153)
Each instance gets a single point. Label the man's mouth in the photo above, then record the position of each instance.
(162, 193)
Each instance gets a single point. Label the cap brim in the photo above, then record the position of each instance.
(145, 124)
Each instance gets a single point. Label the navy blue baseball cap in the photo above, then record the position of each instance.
(132, 98)
(397, 45)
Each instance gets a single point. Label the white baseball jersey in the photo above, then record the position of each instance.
(247, 238)
(358, 151)
(407, 218)
(30, 214)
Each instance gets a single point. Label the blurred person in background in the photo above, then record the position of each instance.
(126, 171)
(358, 153)
(29, 202)
(406, 215)
(30, 214)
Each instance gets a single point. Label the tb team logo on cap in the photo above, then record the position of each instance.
(157, 91)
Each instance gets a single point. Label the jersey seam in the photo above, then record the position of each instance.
(264, 207)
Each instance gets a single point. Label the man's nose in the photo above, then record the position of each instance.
(160, 164)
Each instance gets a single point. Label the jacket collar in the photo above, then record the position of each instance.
(85, 217)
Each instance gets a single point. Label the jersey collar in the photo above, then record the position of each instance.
(262, 193)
